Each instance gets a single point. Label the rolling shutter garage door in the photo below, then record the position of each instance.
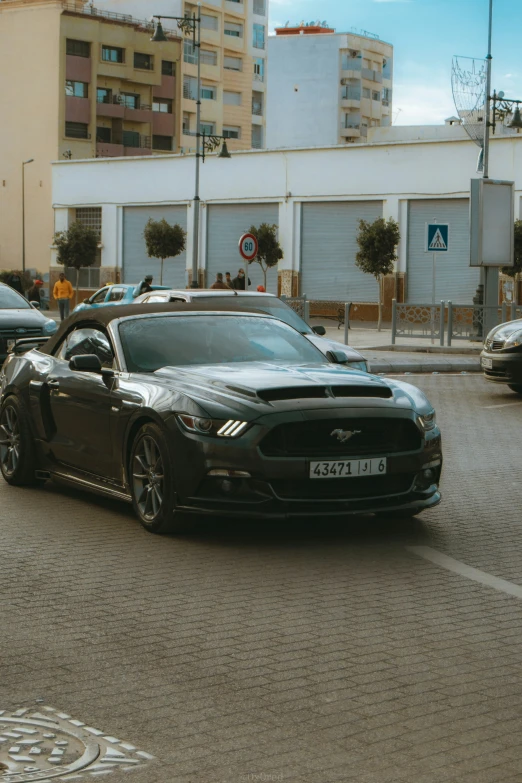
(136, 263)
(455, 279)
(226, 224)
(328, 248)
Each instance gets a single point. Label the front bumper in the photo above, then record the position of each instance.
(505, 367)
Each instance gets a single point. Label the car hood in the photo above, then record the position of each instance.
(503, 331)
(19, 318)
(324, 345)
(259, 387)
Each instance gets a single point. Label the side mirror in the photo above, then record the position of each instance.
(87, 301)
(336, 357)
(34, 304)
(87, 363)
(320, 330)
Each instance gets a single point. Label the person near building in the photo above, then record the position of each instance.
(239, 282)
(228, 280)
(219, 284)
(34, 293)
(261, 289)
(145, 286)
(63, 293)
(15, 281)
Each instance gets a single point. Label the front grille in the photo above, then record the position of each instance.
(12, 334)
(496, 345)
(314, 438)
(340, 489)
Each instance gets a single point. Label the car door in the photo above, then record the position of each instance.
(80, 405)
(116, 294)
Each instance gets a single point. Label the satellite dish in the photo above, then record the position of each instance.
(501, 94)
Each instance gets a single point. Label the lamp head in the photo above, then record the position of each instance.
(159, 35)
(224, 151)
(31, 160)
(516, 122)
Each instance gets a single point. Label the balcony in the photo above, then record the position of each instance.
(372, 76)
(78, 69)
(351, 132)
(108, 150)
(143, 113)
(106, 108)
(77, 109)
(163, 124)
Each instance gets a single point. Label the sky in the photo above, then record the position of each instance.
(426, 34)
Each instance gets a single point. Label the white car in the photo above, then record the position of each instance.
(266, 303)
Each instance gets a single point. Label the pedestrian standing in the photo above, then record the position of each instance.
(228, 280)
(145, 287)
(63, 293)
(15, 281)
(239, 282)
(219, 284)
(34, 293)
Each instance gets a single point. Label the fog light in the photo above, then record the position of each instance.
(425, 479)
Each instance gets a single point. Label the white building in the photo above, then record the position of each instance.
(315, 196)
(326, 88)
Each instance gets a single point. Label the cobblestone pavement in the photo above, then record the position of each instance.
(314, 654)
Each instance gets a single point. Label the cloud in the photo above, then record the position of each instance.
(421, 104)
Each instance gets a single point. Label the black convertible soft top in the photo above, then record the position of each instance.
(104, 315)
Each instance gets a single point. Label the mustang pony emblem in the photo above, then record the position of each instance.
(344, 435)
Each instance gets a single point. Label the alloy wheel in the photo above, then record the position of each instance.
(9, 440)
(147, 478)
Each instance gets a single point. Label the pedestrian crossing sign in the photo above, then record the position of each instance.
(437, 237)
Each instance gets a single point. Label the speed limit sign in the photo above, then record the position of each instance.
(248, 247)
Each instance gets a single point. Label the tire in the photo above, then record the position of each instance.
(517, 388)
(151, 479)
(17, 462)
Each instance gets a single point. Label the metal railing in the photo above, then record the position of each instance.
(257, 109)
(418, 321)
(299, 305)
(89, 10)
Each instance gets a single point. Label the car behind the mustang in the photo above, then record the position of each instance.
(180, 409)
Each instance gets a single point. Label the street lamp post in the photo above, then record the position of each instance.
(204, 142)
(24, 164)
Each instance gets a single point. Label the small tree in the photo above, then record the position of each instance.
(270, 252)
(376, 255)
(77, 248)
(25, 277)
(163, 241)
(516, 269)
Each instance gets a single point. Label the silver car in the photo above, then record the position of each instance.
(266, 303)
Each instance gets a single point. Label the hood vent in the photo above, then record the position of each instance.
(293, 393)
(362, 391)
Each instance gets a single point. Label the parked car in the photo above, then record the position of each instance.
(19, 319)
(120, 293)
(501, 357)
(266, 303)
(180, 409)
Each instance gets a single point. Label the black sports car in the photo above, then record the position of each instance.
(181, 409)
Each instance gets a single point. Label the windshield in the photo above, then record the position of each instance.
(162, 341)
(11, 300)
(266, 304)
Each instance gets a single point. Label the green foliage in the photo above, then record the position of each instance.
(377, 244)
(163, 240)
(270, 251)
(27, 280)
(77, 246)
(517, 268)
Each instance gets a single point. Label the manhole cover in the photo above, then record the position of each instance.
(42, 744)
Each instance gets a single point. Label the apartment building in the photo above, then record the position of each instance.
(233, 67)
(326, 88)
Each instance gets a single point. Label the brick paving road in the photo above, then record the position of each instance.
(321, 653)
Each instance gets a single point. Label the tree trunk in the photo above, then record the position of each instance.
(161, 272)
(379, 317)
(265, 270)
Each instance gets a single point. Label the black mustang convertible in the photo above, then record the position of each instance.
(180, 409)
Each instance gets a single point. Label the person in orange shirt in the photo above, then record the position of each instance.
(63, 293)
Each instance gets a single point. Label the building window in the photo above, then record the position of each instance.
(168, 68)
(234, 30)
(233, 63)
(209, 22)
(190, 88)
(131, 138)
(112, 54)
(78, 48)
(104, 135)
(259, 36)
(91, 217)
(208, 93)
(376, 95)
(351, 61)
(366, 92)
(208, 57)
(130, 100)
(77, 130)
(260, 7)
(103, 95)
(257, 104)
(232, 98)
(351, 92)
(162, 143)
(386, 96)
(208, 128)
(257, 137)
(186, 123)
(144, 62)
(76, 89)
(163, 105)
(231, 132)
(189, 53)
(259, 69)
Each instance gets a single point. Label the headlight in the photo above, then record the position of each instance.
(357, 366)
(50, 327)
(513, 340)
(427, 422)
(212, 427)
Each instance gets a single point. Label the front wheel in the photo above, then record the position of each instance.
(16, 444)
(515, 387)
(152, 481)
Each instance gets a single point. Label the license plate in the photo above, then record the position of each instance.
(487, 363)
(346, 469)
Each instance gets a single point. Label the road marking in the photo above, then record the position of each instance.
(504, 405)
(449, 563)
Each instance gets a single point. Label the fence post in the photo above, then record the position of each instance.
(307, 311)
(504, 312)
(513, 311)
(441, 327)
(450, 322)
(394, 320)
(347, 306)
